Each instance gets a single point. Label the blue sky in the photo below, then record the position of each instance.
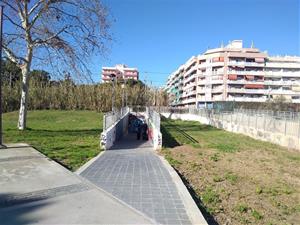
(157, 36)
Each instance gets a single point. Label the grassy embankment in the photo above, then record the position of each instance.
(237, 179)
(69, 137)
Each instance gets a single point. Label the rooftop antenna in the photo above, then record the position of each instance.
(252, 44)
(222, 44)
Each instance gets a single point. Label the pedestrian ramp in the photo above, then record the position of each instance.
(131, 128)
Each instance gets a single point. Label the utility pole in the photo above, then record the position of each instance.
(113, 98)
(1, 31)
(126, 94)
(123, 97)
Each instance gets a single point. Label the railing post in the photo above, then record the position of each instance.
(104, 122)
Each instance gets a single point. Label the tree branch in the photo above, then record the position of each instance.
(12, 56)
(39, 41)
(13, 22)
(10, 6)
(20, 11)
(35, 6)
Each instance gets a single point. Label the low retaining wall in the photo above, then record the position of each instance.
(114, 133)
(257, 129)
(155, 136)
(153, 121)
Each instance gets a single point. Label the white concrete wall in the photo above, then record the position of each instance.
(109, 136)
(279, 132)
(156, 134)
(157, 137)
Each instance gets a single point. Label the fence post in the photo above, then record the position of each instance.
(285, 125)
(256, 122)
(299, 129)
(104, 122)
(248, 119)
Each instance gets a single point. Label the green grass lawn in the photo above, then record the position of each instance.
(237, 179)
(69, 137)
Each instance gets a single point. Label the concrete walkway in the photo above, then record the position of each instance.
(36, 190)
(134, 173)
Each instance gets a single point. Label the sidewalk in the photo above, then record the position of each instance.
(36, 190)
(134, 173)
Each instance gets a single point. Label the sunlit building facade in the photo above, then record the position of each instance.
(234, 73)
(120, 72)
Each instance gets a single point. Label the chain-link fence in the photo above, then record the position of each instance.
(111, 118)
(283, 122)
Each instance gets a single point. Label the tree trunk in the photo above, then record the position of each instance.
(24, 98)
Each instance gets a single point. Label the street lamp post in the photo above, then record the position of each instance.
(126, 95)
(113, 79)
(1, 25)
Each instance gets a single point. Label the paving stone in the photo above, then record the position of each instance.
(139, 178)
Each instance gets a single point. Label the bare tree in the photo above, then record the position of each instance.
(63, 34)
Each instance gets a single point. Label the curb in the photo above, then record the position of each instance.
(88, 163)
(192, 210)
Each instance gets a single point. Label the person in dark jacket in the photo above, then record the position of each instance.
(139, 131)
(145, 131)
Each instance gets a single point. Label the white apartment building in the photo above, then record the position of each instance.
(234, 73)
(120, 72)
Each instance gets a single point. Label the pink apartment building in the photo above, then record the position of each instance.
(120, 71)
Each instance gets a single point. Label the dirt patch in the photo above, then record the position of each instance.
(252, 184)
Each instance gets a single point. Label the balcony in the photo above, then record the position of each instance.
(217, 98)
(282, 74)
(188, 79)
(281, 82)
(201, 90)
(255, 73)
(218, 72)
(246, 99)
(246, 91)
(282, 65)
(244, 82)
(216, 81)
(217, 90)
(216, 64)
(189, 101)
(192, 69)
(244, 64)
(188, 93)
(203, 65)
(206, 81)
(189, 85)
(280, 92)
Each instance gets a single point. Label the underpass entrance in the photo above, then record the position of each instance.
(127, 126)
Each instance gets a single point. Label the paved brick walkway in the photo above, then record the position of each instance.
(36, 190)
(132, 172)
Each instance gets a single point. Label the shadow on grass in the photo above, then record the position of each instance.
(208, 217)
(67, 131)
(168, 141)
